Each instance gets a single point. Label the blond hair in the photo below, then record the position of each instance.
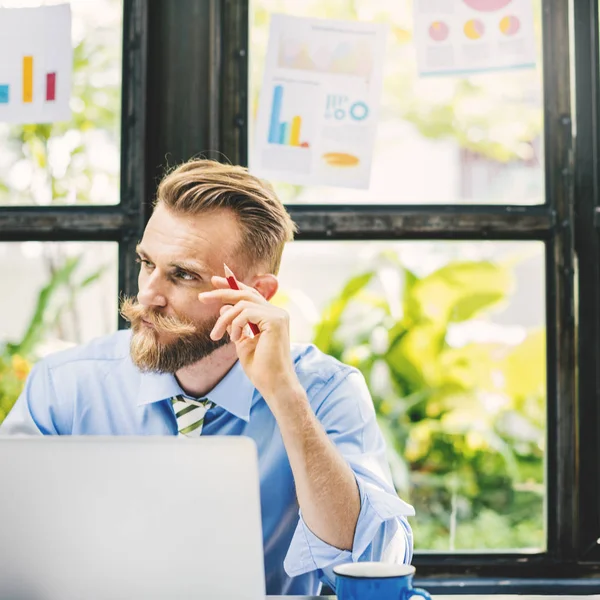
(201, 186)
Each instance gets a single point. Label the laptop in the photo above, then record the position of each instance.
(99, 518)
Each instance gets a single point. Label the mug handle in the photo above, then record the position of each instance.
(419, 592)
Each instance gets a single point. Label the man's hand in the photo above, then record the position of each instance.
(266, 358)
(325, 485)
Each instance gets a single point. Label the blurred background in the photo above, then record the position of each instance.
(450, 335)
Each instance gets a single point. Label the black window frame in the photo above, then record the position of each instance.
(185, 92)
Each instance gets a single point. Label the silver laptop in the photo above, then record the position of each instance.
(94, 518)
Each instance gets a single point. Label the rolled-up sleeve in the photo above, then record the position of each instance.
(345, 409)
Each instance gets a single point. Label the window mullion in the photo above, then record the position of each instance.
(561, 427)
(415, 222)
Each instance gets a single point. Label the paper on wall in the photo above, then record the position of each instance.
(319, 102)
(470, 36)
(36, 64)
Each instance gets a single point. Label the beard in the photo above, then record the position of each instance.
(189, 342)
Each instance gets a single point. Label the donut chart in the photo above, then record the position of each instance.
(438, 31)
(510, 25)
(474, 29)
(487, 5)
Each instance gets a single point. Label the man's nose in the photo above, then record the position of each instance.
(150, 294)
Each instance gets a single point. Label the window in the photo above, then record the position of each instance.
(474, 193)
(68, 213)
(75, 162)
(509, 222)
(451, 337)
(482, 136)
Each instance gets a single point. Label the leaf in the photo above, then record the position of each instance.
(326, 329)
(93, 276)
(37, 325)
(524, 368)
(461, 290)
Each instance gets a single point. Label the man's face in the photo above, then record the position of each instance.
(178, 255)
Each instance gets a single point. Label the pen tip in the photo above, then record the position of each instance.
(228, 271)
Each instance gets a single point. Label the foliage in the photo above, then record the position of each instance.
(58, 164)
(464, 422)
(13, 372)
(54, 299)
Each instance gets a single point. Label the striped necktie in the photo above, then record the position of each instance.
(190, 415)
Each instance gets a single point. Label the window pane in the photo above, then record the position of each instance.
(60, 294)
(447, 139)
(75, 162)
(451, 339)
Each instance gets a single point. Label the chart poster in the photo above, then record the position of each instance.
(473, 36)
(36, 64)
(319, 102)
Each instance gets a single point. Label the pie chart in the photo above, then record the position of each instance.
(510, 25)
(438, 31)
(487, 5)
(474, 29)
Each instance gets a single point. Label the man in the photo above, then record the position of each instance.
(190, 366)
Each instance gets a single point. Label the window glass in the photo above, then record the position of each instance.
(450, 337)
(76, 161)
(60, 294)
(440, 140)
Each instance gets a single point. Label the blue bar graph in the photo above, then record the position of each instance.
(274, 127)
(4, 94)
(283, 133)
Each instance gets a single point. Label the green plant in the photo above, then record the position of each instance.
(53, 300)
(59, 158)
(464, 423)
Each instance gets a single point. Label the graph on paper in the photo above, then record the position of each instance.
(286, 133)
(291, 122)
(328, 52)
(317, 114)
(35, 71)
(473, 36)
(27, 88)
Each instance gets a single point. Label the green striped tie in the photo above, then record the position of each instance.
(190, 415)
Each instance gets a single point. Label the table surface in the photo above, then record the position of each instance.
(457, 597)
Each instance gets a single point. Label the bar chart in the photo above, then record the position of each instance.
(36, 65)
(28, 86)
(285, 133)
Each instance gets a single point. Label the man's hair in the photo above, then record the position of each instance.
(202, 186)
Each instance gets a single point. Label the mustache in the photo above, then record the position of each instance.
(131, 310)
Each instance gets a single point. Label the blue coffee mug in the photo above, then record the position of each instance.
(376, 581)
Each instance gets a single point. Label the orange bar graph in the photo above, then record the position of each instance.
(295, 132)
(28, 79)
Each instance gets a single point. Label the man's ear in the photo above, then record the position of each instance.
(267, 285)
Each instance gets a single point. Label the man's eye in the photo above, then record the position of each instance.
(142, 261)
(184, 275)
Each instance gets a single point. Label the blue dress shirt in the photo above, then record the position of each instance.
(97, 390)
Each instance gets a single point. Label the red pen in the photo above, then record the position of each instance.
(232, 281)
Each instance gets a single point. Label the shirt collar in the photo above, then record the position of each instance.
(234, 392)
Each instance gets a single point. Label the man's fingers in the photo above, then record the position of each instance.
(225, 308)
(224, 321)
(223, 283)
(235, 319)
(240, 324)
(227, 296)
(220, 282)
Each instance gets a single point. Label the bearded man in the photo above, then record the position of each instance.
(189, 366)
